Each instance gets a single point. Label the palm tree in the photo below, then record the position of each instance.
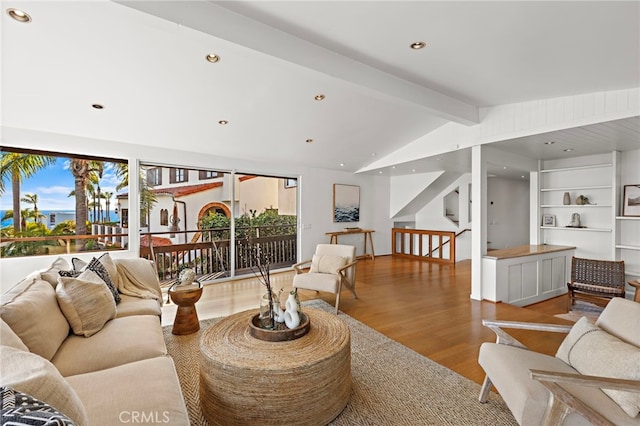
(107, 197)
(82, 170)
(16, 167)
(32, 199)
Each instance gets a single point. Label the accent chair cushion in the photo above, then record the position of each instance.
(327, 264)
(19, 408)
(592, 351)
(86, 302)
(31, 310)
(317, 282)
(31, 374)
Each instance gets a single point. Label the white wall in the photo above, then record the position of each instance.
(315, 189)
(507, 213)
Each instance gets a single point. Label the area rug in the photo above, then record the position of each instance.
(582, 309)
(392, 384)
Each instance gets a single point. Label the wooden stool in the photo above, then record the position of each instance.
(186, 321)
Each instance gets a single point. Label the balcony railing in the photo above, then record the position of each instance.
(423, 244)
(211, 257)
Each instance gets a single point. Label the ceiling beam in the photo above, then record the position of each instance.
(218, 21)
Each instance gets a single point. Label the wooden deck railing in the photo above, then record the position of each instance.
(211, 259)
(423, 244)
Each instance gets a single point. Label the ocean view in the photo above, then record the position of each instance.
(63, 214)
(9, 222)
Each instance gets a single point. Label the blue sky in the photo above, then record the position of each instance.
(53, 185)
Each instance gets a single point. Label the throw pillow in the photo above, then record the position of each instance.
(19, 408)
(32, 311)
(327, 264)
(70, 273)
(50, 274)
(78, 264)
(31, 374)
(96, 266)
(592, 351)
(86, 302)
(108, 262)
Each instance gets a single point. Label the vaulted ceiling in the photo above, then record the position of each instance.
(146, 63)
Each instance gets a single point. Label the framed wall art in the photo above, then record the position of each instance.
(631, 200)
(346, 203)
(548, 220)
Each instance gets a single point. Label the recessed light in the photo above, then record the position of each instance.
(319, 97)
(522, 176)
(309, 141)
(413, 170)
(213, 58)
(223, 122)
(380, 172)
(549, 143)
(97, 106)
(568, 150)
(504, 167)
(341, 164)
(19, 15)
(393, 167)
(417, 45)
(374, 154)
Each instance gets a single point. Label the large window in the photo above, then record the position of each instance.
(261, 209)
(55, 203)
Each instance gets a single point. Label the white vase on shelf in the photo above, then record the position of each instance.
(566, 200)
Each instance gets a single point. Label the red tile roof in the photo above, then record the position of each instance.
(157, 241)
(181, 191)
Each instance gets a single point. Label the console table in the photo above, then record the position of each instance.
(367, 237)
(245, 380)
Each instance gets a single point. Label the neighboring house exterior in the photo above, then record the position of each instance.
(184, 196)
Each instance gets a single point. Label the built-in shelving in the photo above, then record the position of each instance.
(573, 206)
(593, 177)
(566, 228)
(627, 247)
(568, 169)
(576, 188)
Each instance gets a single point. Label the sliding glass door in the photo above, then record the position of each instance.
(211, 221)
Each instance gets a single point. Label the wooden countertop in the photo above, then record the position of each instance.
(527, 250)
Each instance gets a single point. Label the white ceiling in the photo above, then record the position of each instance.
(145, 62)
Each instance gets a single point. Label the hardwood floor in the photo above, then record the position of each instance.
(421, 305)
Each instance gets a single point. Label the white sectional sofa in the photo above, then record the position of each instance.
(64, 341)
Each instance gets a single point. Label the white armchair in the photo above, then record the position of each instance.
(593, 379)
(332, 266)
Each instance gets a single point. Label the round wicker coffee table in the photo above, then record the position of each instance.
(244, 380)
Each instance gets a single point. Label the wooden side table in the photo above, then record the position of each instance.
(636, 285)
(186, 320)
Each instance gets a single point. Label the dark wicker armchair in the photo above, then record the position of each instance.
(595, 281)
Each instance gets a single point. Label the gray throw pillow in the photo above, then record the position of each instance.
(19, 408)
